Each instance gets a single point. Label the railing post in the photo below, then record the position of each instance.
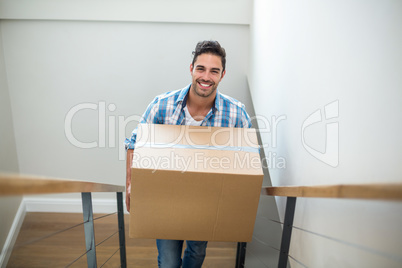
(287, 232)
(241, 254)
(122, 238)
(89, 229)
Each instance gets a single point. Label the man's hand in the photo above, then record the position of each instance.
(129, 160)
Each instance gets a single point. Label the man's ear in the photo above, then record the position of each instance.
(223, 74)
(191, 68)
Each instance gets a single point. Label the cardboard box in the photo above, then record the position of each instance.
(195, 183)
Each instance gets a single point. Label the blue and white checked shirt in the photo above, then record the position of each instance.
(168, 109)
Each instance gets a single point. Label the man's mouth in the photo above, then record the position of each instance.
(204, 85)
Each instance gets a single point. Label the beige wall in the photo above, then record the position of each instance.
(8, 152)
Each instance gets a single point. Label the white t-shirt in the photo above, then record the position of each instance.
(190, 120)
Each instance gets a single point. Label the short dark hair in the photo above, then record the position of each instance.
(211, 47)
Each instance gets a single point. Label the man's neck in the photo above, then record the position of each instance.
(199, 106)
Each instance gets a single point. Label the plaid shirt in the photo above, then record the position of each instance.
(168, 109)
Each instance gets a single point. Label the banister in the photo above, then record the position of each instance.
(378, 191)
(385, 191)
(15, 184)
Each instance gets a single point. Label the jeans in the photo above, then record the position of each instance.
(170, 253)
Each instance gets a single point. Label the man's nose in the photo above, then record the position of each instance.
(206, 76)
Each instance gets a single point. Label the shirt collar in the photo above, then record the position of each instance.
(217, 100)
(184, 93)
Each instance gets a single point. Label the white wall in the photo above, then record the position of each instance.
(57, 56)
(184, 11)
(304, 56)
(55, 65)
(8, 160)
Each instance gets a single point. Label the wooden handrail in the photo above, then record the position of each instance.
(386, 191)
(12, 184)
(383, 191)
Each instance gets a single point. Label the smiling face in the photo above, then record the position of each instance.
(206, 73)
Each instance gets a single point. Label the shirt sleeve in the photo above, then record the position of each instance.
(149, 116)
(245, 121)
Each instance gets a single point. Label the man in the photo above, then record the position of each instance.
(200, 104)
